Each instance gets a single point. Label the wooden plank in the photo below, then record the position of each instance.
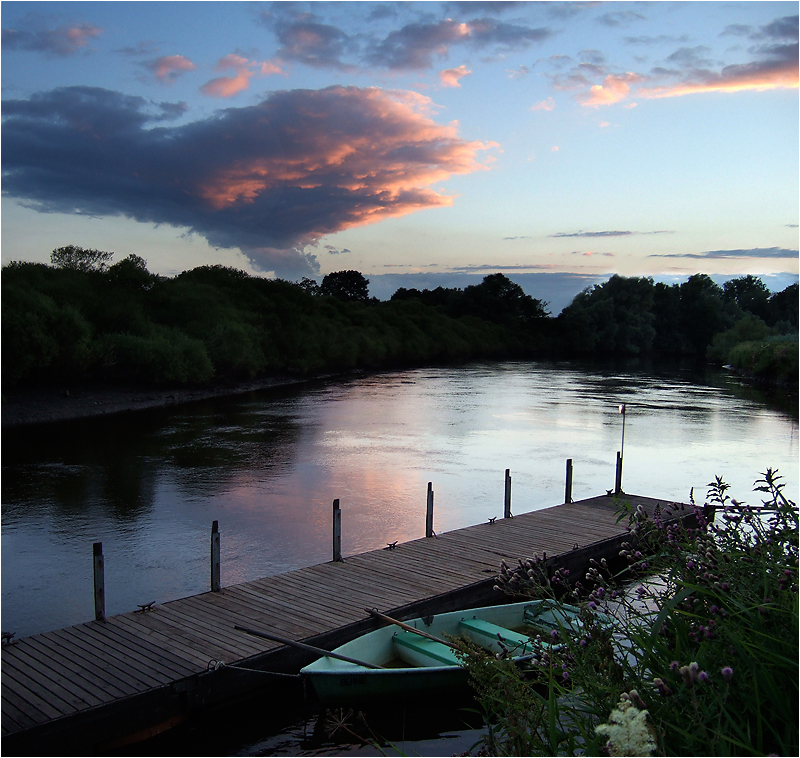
(280, 613)
(122, 650)
(13, 700)
(103, 658)
(311, 612)
(102, 671)
(50, 704)
(338, 605)
(354, 587)
(13, 720)
(46, 670)
(207, 641)
(104, 689)
(161, 634)
(213, 632)
(158, 660)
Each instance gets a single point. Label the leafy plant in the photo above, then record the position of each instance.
(702, 657)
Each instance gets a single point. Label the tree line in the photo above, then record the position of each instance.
(83, 317)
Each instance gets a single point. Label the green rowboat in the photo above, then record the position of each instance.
(410, 664)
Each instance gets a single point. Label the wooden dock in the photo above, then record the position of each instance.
(129, 676)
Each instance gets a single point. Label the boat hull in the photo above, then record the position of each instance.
(339, 682)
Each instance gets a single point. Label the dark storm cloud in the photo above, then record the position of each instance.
(64, 41)
(268, 179)
(755, 252)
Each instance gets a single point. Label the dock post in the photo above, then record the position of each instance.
(215, 585)
(429, 512)
(568, 487)
(337, 532)
(507, 499)
(618, 482)
(99, 582)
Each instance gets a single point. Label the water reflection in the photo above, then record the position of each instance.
(268, 466)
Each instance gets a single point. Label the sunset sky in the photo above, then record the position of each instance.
(420, 143)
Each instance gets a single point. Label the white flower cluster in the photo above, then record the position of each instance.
(627, 730)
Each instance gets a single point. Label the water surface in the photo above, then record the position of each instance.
(268, 465)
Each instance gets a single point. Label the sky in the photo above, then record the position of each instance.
(422, 144)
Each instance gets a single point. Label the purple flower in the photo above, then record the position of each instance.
(702, 677)
(565, 676)
(554, 634)
(727, 673)
(674, 666)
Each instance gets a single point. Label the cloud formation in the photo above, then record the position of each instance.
(625, 233)
(305, 40)
(64, 41)
(754, 252)
(690, 70)
(268, 179)
(244, 70)
(451, 77)
(168, 68)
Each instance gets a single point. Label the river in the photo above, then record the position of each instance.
(268, 465)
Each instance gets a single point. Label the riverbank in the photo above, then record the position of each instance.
(41, 405)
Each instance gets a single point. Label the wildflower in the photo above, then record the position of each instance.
(663, 689)
(727, 673)
(702, 677)
(689, 673)
(674, 666)
(627, 730)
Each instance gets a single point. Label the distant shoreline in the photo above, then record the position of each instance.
(26, 407)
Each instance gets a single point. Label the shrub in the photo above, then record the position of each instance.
(701, 660)
(165, 356)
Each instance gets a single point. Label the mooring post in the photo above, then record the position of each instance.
(429, 512)
(618, 483)
(337, 531)
(215, 585)
(99, 582)
(568, 487)
(507, 499)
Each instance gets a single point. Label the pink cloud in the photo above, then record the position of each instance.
(544, 105)
(169, 67)
(450, 76)
(228, 86)
(756, 77)
(613, 89)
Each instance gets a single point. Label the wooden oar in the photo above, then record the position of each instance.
(309, 648)
(390, 620)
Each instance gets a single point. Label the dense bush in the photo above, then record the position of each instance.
(82, 317)
(701, 659)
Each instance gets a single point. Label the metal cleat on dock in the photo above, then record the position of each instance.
(144, 607)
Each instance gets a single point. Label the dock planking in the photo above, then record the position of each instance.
(93, 683)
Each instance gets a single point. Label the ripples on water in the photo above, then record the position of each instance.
(268, 465)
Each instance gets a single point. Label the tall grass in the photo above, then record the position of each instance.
(702, 657)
